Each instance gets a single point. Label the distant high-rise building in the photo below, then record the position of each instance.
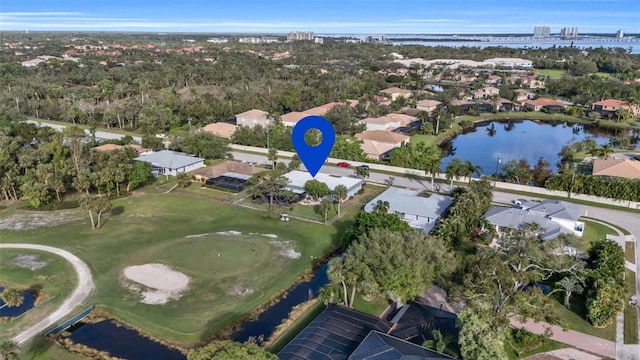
(564, 31)
(574, 32)
(620, 34)
(541, 31)
(300, 35)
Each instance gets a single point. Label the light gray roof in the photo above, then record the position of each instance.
(168, 159)
(516, 218)
(554, 208)
(407, 201)
(297, 179)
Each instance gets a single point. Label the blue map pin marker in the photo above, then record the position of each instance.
(313, 156)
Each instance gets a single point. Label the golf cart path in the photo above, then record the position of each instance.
(84, 288)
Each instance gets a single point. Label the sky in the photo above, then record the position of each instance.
(321, 16)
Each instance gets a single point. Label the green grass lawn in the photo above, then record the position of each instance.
(630, 252)
(594, 231)
(574, 318)
(550, 73)
(56, 278)
(630, 311)
(429, 140)
(620, 228)
(152, 227)
(374, 307)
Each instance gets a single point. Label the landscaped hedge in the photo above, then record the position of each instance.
(609, 187)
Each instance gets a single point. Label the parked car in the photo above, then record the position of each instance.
(520, 201)
(344, 164)
(364, 167)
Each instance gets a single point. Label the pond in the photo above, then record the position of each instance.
(28, 303)
(517, 140)
(121, 342)
(267, 322)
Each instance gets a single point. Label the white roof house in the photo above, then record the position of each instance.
(167, 162)
(555, 217)
(297, 179)
(420, 212)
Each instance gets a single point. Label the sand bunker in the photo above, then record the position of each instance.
(28, 262)
(286, 249)
(162, 282)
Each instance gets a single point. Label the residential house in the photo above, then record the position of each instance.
(610, 106)
(253, 118)
(403, 119)
(380, 123)
(297, 180)
(396, 92)
(485, 92)
(493, 79)
(532, 82)
(292, 118)
(222, 129)
(554, 217)
(229, 175)
(428, 105)
(549, 105)
(624, 168)
(341, 333)
(172, 163)
(377, 150)
(522, 95)
(466, 106)
(504, 105)
(384, 136)
(509, 62)
(381, 100)
(421, 212)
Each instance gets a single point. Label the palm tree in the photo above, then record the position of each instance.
(381, 207)
(454, 170)
(568, 286)
(432, 165)
(340, 194)
(9, 350)
(97, 204)
(335, 273)
(325, 205)
(469, 169)
(605, 151)
(183, 179)
(440, 343)
(12, 297)
(273, 157)
(491, 130)
(361, 172)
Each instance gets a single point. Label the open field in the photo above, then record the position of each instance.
(51, 276)
(230, 274)
(550, 73)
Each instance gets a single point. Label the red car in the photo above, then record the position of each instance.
(344, 164)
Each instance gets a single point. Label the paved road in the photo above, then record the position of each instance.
(84, 288)
(99, 134)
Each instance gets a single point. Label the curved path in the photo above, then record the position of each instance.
(84, 288)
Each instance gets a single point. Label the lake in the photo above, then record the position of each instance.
(527, 139)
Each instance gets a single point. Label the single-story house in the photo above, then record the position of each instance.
(532, 82)
(297, 180)
(493, 79)
(377, 150)
(396, 92)
(380, 123)
(555, 217)
(167, 162)
(427, 105)
(292, 118)
(222, 129)
(468, 106)
(384, 137)
(404, 119)
(504, 105)
(215, 171)
(420, 212)
(624, 168)
(323, 109)
(550, 105)
(613, 105)
(341, 333)
(253, 117)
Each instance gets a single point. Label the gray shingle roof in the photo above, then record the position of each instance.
(407, 201)
(554, 208)
(379, 346)
(169, 159)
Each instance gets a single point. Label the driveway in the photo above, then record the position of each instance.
(82, 291)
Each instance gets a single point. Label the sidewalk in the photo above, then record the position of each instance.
(592, 344)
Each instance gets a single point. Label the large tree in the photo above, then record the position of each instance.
(268, 184)
(316, 189)
(9, 350)
(478, 338)
(340, 193)
(366, 221)
(201, 144)
(229, 350)
(96, 206)
(402, 265)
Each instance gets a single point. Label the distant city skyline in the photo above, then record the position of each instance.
(322, 16)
